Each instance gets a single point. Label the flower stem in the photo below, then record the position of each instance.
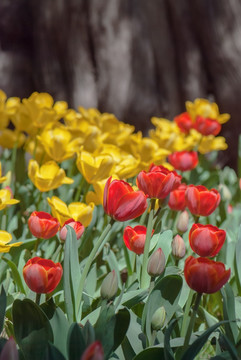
(145, 278)
(192, 321)
(37, 299)
(100, 242)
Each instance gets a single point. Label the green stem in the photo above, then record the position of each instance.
(192, 321)
(35, 249)
(145, 278)
(186, 312)
(37, 300)
(100, 242)
(127, 259)
(13, 162)
(78, 192)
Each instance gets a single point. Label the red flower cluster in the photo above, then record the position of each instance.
(204, 126)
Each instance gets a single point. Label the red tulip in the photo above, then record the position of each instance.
(201, 201)
(158, 182)
(93, 352)
(76, 225)
(177, 198)
(184, 122)
(206, 240)
(43, 225)
(134, 238)
(204, 275)
(207, 126)
(42, 276)
(121, 202)
(183, 160)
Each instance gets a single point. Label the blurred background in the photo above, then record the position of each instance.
(133, 58)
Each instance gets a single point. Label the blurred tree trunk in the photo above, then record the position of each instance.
(135, 58)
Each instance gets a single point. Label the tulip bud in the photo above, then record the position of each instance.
(225, 192)
(156, 263)
(178, 247)
(158, 318)
(182, 222)
(93, 352)
(109, 286)
(76, 225)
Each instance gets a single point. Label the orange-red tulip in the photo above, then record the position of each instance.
(183, 160)
(43, 225)
(76, 225)
(134, 238)
(93, 352)
(177, 198)
(204, 275)
(207, 126)
(158, 182)
(206, 240)
(201, 201)
(42, 276)
(121, 202)
(184, 122)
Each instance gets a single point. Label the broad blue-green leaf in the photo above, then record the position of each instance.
(76, 342)
(153, 353)
(229, 313)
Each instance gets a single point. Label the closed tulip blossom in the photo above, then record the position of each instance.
(206, 240)
(121, 202)
(158, 182)
(43, 225)
(184, 122)
(204, 275)
(177, 200)
(76, 225)
(183, 160)
(201, 201)
(93, 352)
(134, 238)
(207, 126)
(42, 276)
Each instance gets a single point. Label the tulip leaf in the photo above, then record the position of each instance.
(76, 343)
(3, 304)
(228, 345)
(153, 353)
(53, 353)
(168, 353)
(32, 332)
(231, 327)
(165, 293)
(237, 259)
(16, 275)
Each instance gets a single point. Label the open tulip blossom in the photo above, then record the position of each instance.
(43, 225)
(134, 238)
(201, 201)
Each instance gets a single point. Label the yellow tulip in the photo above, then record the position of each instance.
(76, 210)
(6, 198)
(47, 177)
(57, 142)
(97, 195)
(94, 167)
(7, 108)
(207, 109)
(10, 138)
(36, 149)
(2, 178)
(5, 238)
(210, 143)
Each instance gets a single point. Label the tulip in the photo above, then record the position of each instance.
(93, 352)
(6, 198)
(43, 225)
(134, 238)
(201, 201)
(5, 238)
(47, 177)
(158, 182)
(182, 222)
(211, 143)
(2, 178)
(184, 122)
(183, 160)
(204, 275)
(109, 286)
(207, 126)
(177, 200)
(178, 247)
(121, 202)
(156, 263)
(76, 225)
(206, 240)
(9, 350)
(42, 276)
(158, 318)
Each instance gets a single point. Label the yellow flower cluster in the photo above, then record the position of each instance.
(101, 144)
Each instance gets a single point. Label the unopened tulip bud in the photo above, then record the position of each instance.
(94, 351)
(182, 222)
(156, 263)
(109, 286)
(178, 247)
(225, 192)
(76, 225)
(158, 318)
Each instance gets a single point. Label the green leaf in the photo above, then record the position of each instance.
(32, 329)
(224, 340)
(153, 353)
(3, 304)
(131, 298)
(237, 259)
(105, 328)
(121, 327)
(53, 353)
(165, 293)
(229, 313)
(16, 275)
(76, 343)
(168, 353)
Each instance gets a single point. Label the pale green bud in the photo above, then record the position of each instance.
(225, 192)
(156, 263)
(178, 247)
(182, 222)
(158, 318)
(109, 286)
